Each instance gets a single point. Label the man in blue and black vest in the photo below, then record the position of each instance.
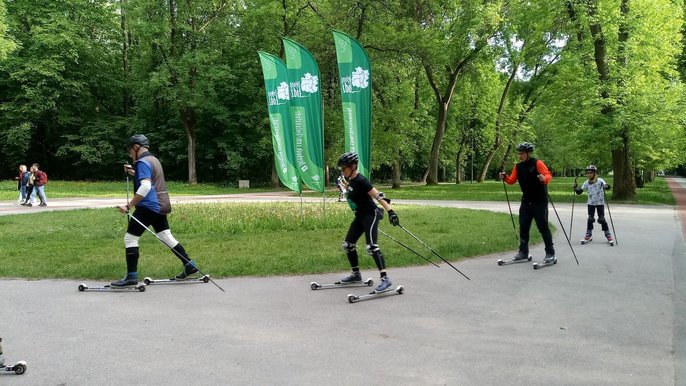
(152, 205)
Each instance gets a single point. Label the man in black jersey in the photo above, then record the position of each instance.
(360, 195)
(533, 176)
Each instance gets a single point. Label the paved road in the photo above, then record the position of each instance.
(618, 318)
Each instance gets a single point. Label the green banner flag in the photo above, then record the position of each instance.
(356, 94)
(278, 97)
(307, 117)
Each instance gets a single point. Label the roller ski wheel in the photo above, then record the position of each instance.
(610, 240)
(367, 283)
(201, 279)
(513, 261)
(108, 288)
(18, 368)
(399, 290)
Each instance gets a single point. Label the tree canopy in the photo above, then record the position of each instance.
(454, 83)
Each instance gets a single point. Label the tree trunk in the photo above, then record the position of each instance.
(275, 177)
(396, 173)
(506, 156)
(459, 158)
(443, 100)
(188, 119)
(497, 141)
(424, 176)
(432, 178)
(624, 184)
(125, 57)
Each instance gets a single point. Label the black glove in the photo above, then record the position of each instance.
(578, 191)
(393, 218)
(606, 187)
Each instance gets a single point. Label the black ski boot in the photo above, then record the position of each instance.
(355, 277)
(549, 258)
(188, 270)
(128, 281)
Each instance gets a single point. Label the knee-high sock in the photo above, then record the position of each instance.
(379, 260)
(132, 259)
(181, 254)
(352, 258)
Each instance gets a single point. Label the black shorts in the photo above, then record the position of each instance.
(147, 217)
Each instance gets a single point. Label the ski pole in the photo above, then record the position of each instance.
(408, 248)
(514, 229)
(610, 214)
(571, 221)
(127, 186)
(185, 260)
(434, 252)
(562, 226)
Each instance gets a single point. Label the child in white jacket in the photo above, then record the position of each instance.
(596, 202)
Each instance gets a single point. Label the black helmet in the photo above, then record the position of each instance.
(348, 159)
(592, 168)
(525, 146)
(138, 139)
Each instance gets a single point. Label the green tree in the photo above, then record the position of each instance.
(7, 45)
(180, 44)
(634, 46)
(59, 86)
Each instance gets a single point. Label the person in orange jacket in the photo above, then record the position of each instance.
(533, 176)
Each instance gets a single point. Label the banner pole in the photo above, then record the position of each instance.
(302, 216)
(324, 204)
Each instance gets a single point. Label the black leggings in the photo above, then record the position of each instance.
(147, 217)
(368, 225)
(159, 223)
(601, 217)
(539, 212)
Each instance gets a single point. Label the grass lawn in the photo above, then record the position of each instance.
(239, 239)
(64, 189)
(560, 190)
(259, 239)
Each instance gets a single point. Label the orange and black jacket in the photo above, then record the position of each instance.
(533, 190)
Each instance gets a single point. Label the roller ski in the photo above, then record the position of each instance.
(520, 257)
(128, 283)
(173, 280)
(547, 261)
(383, 289)
(354, 280)
(110, 288)
(610, 239)
(587, 239)
(352, 298)
(18, 368)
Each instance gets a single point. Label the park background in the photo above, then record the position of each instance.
(456, 85)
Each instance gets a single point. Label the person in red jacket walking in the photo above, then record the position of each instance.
(533, 176)
(40, 179)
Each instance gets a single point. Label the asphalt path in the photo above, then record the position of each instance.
(617, 318)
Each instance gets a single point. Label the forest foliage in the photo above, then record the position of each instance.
(456, 84)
